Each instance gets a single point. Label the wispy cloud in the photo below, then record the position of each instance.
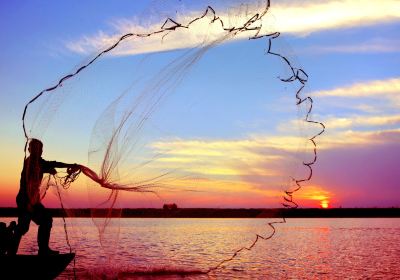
(351, 138)
(361, 121)
(362, 105)
(352, 121)
(377, 88)
(201, 32)
(287, 17)
(314, 16)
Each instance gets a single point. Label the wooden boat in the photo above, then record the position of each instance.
(33, 266)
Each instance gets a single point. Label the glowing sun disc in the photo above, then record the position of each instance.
(324, 204)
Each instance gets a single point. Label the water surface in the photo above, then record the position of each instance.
(176, 248)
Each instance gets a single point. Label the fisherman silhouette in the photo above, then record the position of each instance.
(29, 198)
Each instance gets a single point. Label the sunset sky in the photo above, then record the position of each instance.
(240, 142)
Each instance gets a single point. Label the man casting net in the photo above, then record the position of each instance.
(174, 110)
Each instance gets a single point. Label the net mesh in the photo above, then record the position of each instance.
(164, 132)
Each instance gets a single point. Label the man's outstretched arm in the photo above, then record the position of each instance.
(49, 166)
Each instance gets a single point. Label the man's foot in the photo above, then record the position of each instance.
(48, 252)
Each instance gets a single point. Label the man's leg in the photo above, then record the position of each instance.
(43, 219)
(24, 219)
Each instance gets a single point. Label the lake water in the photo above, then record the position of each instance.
(182, 248)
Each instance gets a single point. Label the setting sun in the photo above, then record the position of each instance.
(324, 204)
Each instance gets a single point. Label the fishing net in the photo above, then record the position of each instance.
(175, 109)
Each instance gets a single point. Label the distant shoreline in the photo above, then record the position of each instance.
(221, 213)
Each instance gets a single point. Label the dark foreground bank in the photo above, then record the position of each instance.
(222, 213)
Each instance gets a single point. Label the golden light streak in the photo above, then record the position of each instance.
(232, 158)
(315, 193)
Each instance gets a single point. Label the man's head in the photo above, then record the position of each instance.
(35, 147)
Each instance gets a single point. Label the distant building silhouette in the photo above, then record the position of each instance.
(170, 206)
